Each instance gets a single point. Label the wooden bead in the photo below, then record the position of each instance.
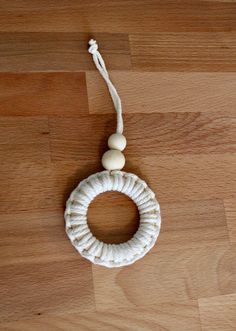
(113, 160)
(117, 141)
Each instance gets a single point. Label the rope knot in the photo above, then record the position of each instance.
(93, 46)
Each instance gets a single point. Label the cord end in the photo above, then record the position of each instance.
(93, 46)
(92, 42)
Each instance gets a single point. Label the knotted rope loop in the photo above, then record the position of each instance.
(100, 65)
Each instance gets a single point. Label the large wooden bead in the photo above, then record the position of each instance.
(113, 160)
(117, 141)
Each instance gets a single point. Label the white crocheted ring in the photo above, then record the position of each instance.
(112, 255)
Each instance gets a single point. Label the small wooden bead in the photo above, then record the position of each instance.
(113, 160)
(117, 141)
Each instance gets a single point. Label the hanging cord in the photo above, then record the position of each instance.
(100, 64)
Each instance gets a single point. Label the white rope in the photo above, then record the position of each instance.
(112, 255)
(100, 64)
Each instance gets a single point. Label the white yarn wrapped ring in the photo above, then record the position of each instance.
(112, 255)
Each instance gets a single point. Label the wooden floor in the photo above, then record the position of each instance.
(174, 65)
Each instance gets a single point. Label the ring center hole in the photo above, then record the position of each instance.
(113, 217)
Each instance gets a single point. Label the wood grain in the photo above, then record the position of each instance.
(41, 231)
(40, 185)
(39, 51)
(51, 94)
(188, 177)
(202, 222)
(218, 313)
(173, 63)
(38, 267)
(40, 288)
(168, 134)
(120, 226)
(175, 179)
(163, 92)
(156, 318)
(177, 51)
(182, 274)
(230, 212)
(116, 17)
(26, 139)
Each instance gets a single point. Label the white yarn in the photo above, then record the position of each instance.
(100, 64)
(112, 255)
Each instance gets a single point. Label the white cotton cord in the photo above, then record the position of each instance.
(100, 64)
(98, 252)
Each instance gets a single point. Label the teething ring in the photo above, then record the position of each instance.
(112, 179)
(98, 252)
